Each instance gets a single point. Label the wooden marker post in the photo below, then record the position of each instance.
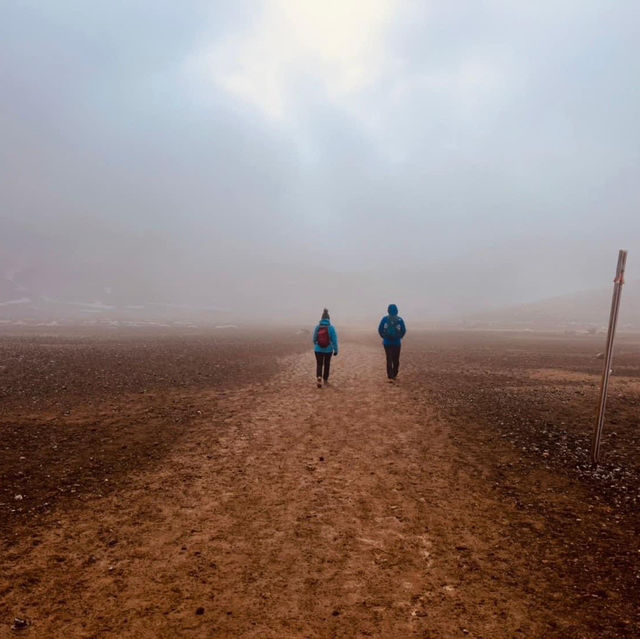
(613, 319)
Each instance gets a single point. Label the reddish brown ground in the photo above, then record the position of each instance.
(200, 487)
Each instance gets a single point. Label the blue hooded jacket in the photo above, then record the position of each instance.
(333, 336)
(387, 341)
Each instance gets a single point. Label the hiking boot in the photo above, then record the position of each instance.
(326, 382)
(319, 382)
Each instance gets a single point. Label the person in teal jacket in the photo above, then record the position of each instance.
(325, 340)
(392, 329)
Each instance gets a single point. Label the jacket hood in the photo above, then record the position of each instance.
(393, 309)
(325, 322)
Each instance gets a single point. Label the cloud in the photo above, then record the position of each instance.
(176, 150)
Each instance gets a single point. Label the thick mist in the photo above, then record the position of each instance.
(258, 161)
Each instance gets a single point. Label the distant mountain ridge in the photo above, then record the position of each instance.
(585, 310)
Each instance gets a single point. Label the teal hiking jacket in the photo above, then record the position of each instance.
(333, 336)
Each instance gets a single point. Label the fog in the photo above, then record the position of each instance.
(265, 159)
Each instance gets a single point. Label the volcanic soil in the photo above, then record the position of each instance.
(202, 486)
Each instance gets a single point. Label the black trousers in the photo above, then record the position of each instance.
(323, 364)
(393, 360)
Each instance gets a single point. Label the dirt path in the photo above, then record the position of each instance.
(297, 512)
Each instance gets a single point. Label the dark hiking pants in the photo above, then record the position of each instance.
(323, 364)
(393, 360)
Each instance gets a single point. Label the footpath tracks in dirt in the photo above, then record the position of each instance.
(296, 512)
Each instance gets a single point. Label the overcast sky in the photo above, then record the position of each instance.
(446, 156)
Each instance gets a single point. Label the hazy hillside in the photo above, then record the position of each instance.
(46, 278)
(585, 310)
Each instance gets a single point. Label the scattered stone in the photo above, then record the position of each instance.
(20, 624)
(200, 611)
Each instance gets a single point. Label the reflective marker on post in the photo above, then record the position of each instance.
(613, 319)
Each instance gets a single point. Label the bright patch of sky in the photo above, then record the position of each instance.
(339, 43)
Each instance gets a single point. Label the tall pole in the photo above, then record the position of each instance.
(613, 319)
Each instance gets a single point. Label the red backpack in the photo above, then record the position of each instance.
(323, 339)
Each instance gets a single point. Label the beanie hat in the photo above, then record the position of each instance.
(325, 314)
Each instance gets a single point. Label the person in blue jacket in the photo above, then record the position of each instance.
(392, 329)
(325, 340)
